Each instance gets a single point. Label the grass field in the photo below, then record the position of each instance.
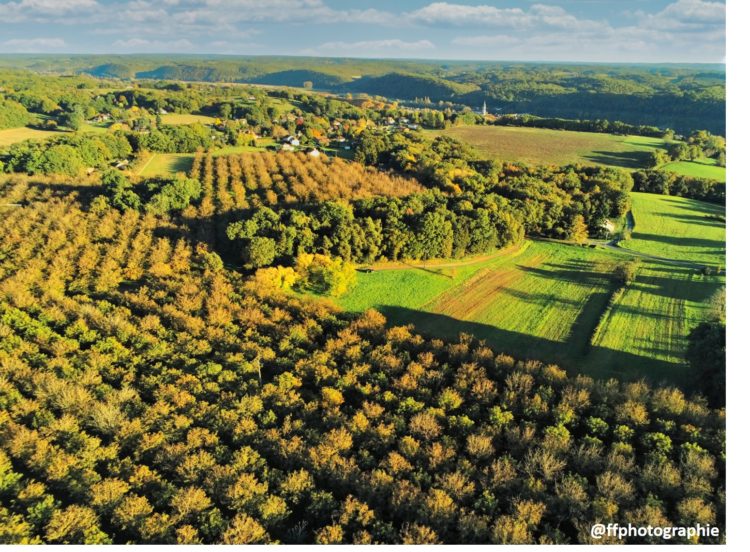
(539, 146)
(650, 322)
(678, 228)
(186, 119)
(541, 301)
(10, 136)
(545, 300)
(701, 168)
(165, 164)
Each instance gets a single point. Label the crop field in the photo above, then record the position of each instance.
(10, 136)
(678, 228)
(186, 119)
(538, 146)
(701, 168)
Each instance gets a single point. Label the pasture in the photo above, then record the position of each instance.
(700, 168)
(186, 119)
(646, 329)
(164, 164)
(539, 146)
(678, 228)
(167, 164)
(10, 136)
(551, 301)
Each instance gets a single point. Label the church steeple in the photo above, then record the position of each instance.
(484, 108)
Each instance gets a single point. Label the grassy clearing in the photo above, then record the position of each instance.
(94, 127)
(186, 119)
(10, 136)
(700, 168)
(166, 164)
(650, 322)
(678, 228)
(541, 301)
(545, 300)
(538, 146)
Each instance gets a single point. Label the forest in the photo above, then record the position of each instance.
(174, 367)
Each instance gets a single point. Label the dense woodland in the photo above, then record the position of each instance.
(159, 383)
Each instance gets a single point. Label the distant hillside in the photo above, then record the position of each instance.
(298, 77)
(192, 73)
(684, 97)
(408, 86)
(111, 71)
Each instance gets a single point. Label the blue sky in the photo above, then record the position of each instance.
(574, 30)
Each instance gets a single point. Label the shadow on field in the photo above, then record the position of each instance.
(600, 362)
(705, 220)
(679, 241)
(625, 159)
(574, 271)
(688, 206)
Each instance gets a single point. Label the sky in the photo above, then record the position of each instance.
(684, 31)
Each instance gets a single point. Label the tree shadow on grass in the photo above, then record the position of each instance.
(679, 241)
(601, 362)
(625, 159)
(705, 220)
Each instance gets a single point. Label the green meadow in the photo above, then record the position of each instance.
(541, 146)
(678, 228)
(555, 302)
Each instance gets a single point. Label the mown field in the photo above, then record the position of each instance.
(678, 228)
(186, 119)
(701, 168)
(10, 136)
(545, 300)
(166, 164)
(540, 146)
(646, 329)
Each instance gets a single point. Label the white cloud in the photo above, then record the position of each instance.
(371, 48)
(56, 6)
(145, 45)
(686, 15)
(485, 40)
(444, 13)
(32, 45)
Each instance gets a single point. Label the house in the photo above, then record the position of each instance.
(287, 147)
(163, 111)
(291, 140)
(314, 152)
(122, 165)
(101, 118)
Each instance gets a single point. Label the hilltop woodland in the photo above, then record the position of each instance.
(165, 377)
